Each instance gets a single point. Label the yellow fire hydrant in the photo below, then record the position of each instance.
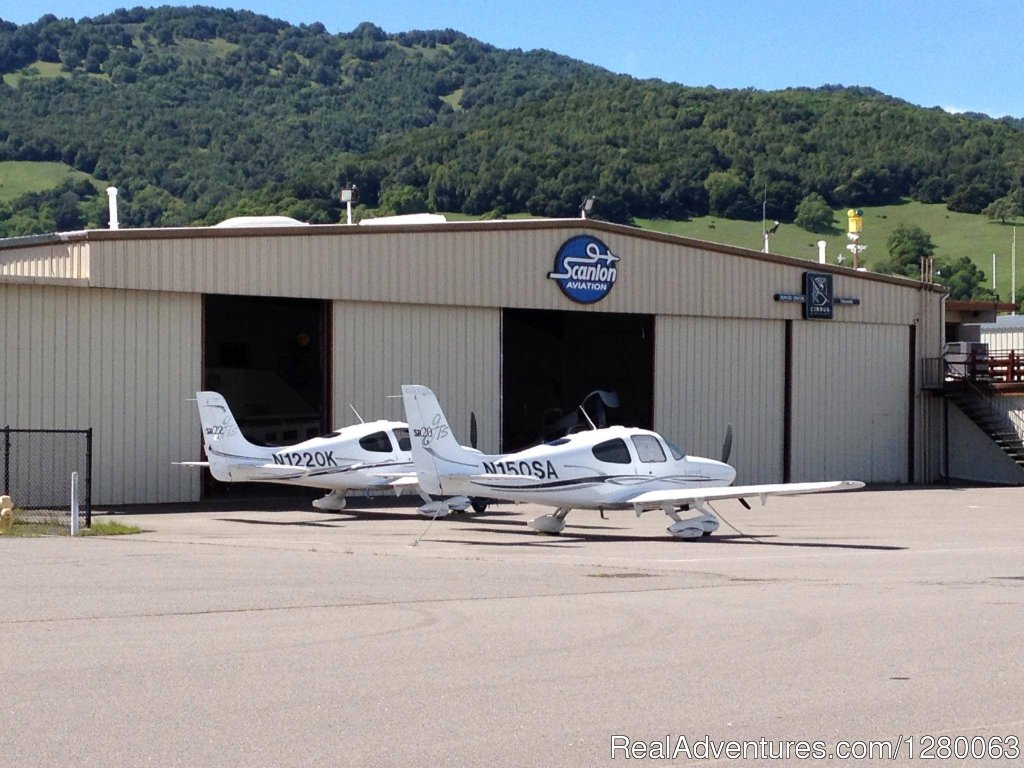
(6, 514)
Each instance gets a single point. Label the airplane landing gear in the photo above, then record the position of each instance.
(434, 509)
(692, 527)
(332, 500)
(552, 524)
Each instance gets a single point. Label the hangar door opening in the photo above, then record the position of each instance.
(268, 357)
(551, 360)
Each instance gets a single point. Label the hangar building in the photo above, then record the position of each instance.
(818, 368)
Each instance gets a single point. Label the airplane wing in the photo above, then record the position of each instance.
(658, 499)
(191, 463)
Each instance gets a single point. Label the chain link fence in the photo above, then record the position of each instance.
(36, 467)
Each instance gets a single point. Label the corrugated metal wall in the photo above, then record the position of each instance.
(850, 402)
(711, 372)
(505, 265)
(1004, 340)
(121, 362)
(455, 351)
(48, 260)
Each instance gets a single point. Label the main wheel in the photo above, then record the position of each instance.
(478, 505)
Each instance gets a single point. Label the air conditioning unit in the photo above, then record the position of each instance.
(966, 359)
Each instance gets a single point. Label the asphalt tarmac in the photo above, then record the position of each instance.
(231, 636)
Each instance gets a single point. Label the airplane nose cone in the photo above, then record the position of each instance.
(716, 470)
(724, 472)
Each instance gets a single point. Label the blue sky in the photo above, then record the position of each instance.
(956, 54)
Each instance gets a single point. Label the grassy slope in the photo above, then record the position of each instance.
(20, 178)
(954, 234)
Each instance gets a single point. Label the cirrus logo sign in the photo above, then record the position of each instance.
(585, 269)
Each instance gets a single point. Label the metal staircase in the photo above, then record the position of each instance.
(979, 408)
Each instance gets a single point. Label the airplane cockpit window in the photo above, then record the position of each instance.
(648, 449)
(613, 452)
(377, 443)
(402, 438)
(676, 453)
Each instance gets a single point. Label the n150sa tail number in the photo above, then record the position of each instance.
(543, 470)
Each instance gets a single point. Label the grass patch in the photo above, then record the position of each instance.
(43, 69)
(454, 99)
(110, 528)
(47, 70)
(31, 530)
(57, 524)
(954, 234)
(22, 177)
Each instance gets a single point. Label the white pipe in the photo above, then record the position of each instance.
(112, 206)
(821, 251)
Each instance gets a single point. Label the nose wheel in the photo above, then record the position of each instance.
(692, 527)
(552, 524)
(332, 500)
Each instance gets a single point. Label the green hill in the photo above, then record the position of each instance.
(198, 114)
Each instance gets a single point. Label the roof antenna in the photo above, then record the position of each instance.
(361, 421)
(587, 417)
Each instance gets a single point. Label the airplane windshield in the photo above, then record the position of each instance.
(402, 438)
(674, 449)
(648, 449)
(377, 443)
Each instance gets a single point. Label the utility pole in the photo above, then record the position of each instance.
(764, 218)
(1013, 269)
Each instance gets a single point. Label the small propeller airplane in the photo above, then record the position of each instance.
(366, 456)
(606, 469)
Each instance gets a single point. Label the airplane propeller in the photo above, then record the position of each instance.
(472, 429)
(726, 450)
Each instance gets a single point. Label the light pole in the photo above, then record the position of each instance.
(587, 206)
(348, 195)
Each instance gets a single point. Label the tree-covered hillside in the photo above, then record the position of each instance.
(197, 114)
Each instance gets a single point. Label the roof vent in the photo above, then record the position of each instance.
(112, 205)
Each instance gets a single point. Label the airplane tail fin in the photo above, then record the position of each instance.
(222, 438)
(435, 451)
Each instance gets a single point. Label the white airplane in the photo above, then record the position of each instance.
(608, 468)
(368, 456)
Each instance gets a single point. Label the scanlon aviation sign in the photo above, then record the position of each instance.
(585, 269)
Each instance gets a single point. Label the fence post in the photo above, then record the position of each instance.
(88, 478)
(7, 459)
(74, 503)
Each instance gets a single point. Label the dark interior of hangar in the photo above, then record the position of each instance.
(552, 360)
(267, 356)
